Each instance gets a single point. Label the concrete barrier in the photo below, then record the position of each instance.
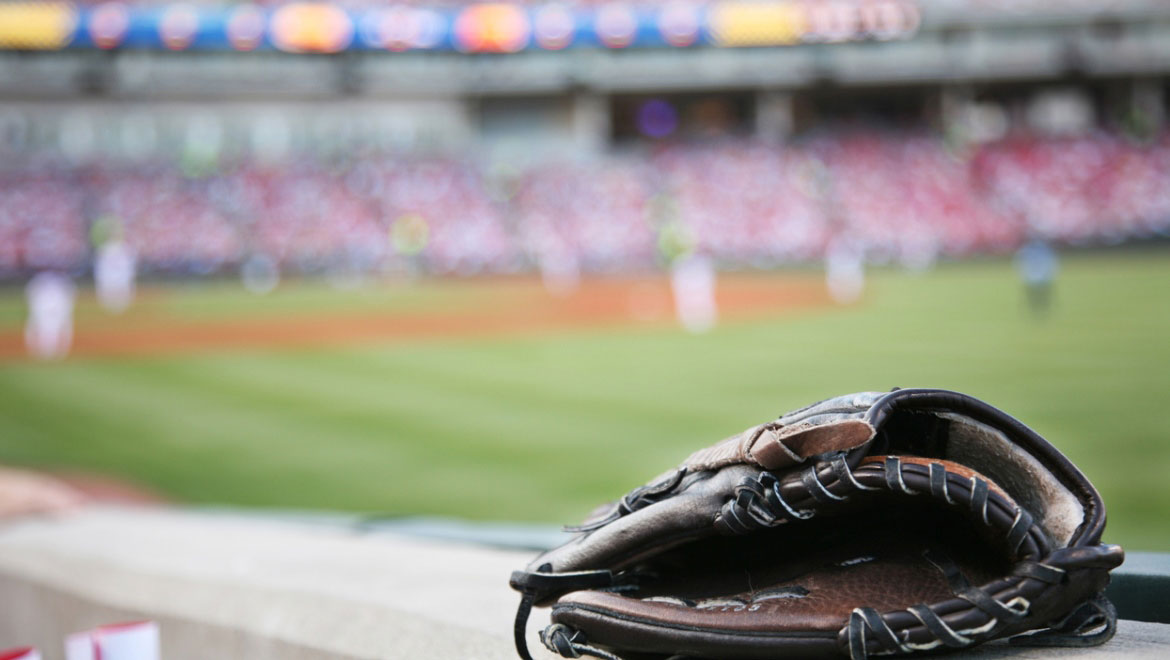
(234, 586)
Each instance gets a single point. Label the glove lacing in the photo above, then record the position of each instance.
(571, 643)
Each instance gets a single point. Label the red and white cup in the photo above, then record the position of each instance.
(137, 640)
(22, 653)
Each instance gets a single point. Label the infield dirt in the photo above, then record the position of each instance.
(492, 307)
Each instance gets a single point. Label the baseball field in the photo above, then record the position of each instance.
(490, 399)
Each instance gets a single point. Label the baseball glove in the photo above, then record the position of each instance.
(869, 524)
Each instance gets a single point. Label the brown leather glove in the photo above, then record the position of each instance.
(873, 523)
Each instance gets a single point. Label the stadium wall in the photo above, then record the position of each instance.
(439, 101)
(946, 48)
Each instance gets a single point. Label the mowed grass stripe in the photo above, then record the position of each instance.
(364, 388)
(187, 425)
(151, 404)
(468, 425)
(239, 413)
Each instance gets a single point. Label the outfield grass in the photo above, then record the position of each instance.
(544, 427)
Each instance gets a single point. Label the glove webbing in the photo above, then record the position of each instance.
(759, 502)
(1091, 624)
(867, 620)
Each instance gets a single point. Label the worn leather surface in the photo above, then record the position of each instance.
(775, 445)
(766, 543)
(835, 424)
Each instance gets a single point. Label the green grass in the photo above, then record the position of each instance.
(543, 428)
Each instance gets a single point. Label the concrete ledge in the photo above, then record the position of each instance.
(233, 586)
(229, 587)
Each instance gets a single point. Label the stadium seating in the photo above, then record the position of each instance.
(905, 196)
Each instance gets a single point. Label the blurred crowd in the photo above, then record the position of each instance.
(908, 197)
(1012, 5)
